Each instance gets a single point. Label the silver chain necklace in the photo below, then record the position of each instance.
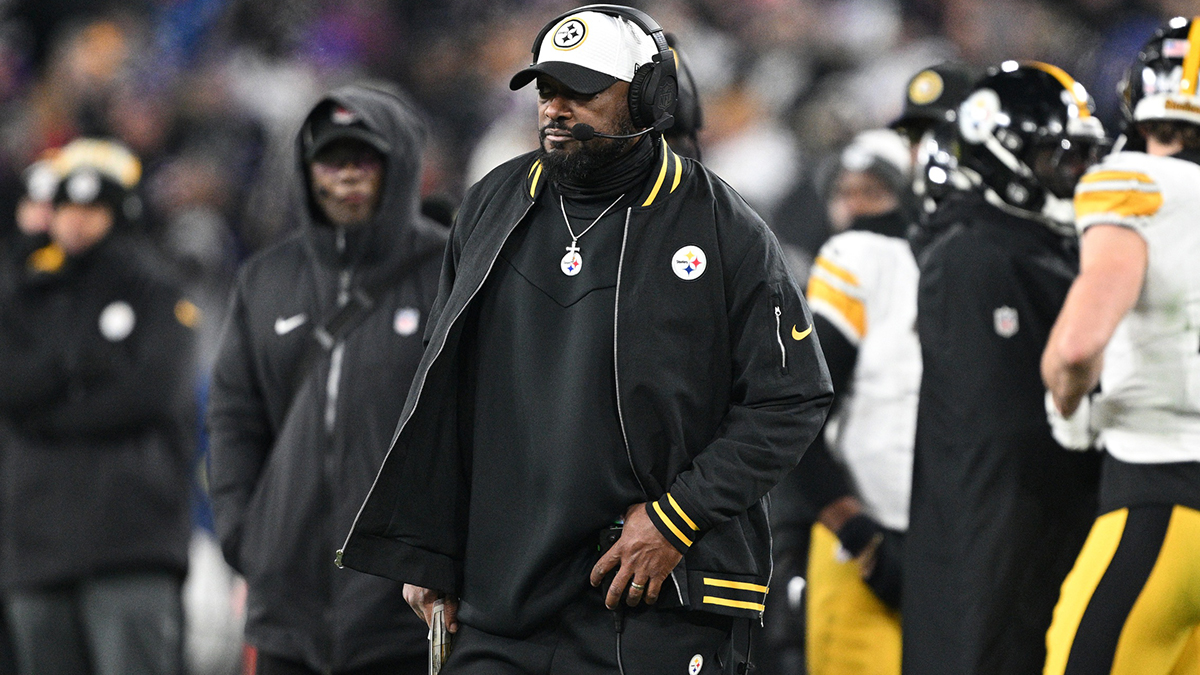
(571, 262)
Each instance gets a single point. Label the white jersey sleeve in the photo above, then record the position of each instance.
(865, 284)
(1149, 407)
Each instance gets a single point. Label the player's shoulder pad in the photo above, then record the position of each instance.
(1123, 189)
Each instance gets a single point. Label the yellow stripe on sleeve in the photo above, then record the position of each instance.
(671, 526)
(675, 505)
(737, 585)
(736, 604)
(662, 173)
(850, 309)
(1119, 203)
(837, 271)
(1134, 177)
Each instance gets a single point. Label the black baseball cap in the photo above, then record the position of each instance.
(331, 121)
(933, 95)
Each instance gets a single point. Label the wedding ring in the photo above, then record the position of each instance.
(638, 587)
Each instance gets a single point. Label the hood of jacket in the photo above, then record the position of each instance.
(396, 233)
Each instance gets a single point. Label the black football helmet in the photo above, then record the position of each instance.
(1028, 134)
(1162, 82)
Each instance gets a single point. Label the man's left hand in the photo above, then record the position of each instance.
(642, 557)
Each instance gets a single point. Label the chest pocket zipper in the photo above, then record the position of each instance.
(779, 336)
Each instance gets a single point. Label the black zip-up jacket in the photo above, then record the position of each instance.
(96, 381)
(716, 397)
(999, 511)
(297, 437)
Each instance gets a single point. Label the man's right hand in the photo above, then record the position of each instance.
(421, 600)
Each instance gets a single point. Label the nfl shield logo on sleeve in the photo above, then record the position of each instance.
(1005, 320)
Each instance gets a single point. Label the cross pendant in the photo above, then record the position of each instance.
(573, 248)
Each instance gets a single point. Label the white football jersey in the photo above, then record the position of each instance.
(865, 284)
(1149, 407)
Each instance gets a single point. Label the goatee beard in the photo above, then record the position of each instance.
(580, 166)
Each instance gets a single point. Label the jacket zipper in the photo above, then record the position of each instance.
(333, 384)
(332, 396)
(779, 335)
(617, 380)
(421, 385)
(616, 368)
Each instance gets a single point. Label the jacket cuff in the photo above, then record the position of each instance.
(673, 522)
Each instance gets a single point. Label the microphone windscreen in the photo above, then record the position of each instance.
(583, 132)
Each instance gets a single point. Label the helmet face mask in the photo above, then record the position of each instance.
(1028, 134)
(1058, 167)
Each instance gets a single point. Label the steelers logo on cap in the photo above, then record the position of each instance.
(83, 187)
(570, 34)
(926, 88)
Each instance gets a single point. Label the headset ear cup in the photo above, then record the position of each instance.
(653, 93)
(666, 92)
(641, 96)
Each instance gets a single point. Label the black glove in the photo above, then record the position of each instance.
(887, 575)
(858, 533)
(862, 531)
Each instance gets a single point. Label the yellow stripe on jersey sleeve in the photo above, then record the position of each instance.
(836, 270)
(1105, 180)
(850, 309)
(1117, 203)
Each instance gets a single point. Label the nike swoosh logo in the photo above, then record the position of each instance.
(797, 335)
(284, 326)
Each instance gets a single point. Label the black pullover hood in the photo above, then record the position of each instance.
(389, 242)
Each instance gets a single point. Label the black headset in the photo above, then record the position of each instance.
(654, 91)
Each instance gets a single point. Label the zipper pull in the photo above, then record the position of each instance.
(779, 337)
(343, 288)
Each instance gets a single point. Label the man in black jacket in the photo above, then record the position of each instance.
(646, 388)
(324, 330)
(95, 395)
(999, 510)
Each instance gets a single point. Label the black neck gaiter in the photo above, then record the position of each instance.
(625, 175)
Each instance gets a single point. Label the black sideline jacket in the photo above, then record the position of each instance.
(720, 387)
(999, 510)
(96, 399)
(297, 437)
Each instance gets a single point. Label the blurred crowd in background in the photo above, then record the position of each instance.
(210, 94)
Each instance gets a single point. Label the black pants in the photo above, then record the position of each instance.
(584, 642)
(274, 665)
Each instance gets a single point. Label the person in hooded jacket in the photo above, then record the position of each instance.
(323, 330)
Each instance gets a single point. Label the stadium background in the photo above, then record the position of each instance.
(210, 93)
